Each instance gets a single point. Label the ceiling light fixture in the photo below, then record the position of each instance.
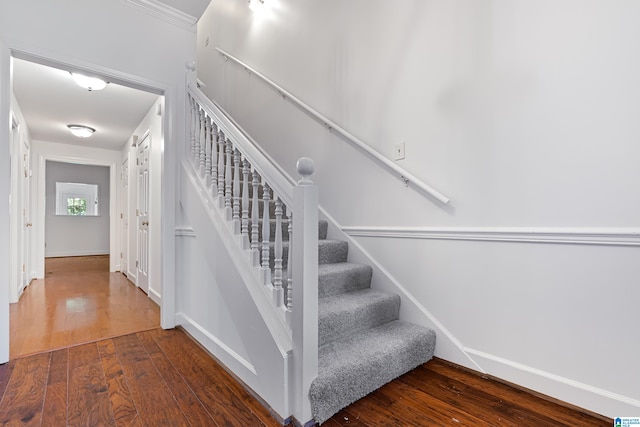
(89, 83)
(81, 131)
(255, 4)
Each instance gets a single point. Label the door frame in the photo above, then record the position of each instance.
(41, 169)
(173, 129)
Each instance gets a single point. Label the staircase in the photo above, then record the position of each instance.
(361, 343)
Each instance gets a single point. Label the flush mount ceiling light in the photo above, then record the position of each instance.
(256, 4)
(81, 131)
(89, 83)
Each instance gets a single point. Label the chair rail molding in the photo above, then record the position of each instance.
(406, 177)
(560, 235)
(185, 232)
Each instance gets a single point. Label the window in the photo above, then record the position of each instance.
(76, 199)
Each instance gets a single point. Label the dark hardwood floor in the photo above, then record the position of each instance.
(163, 378)
(154, 378)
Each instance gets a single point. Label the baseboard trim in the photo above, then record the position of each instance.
(97, 252)
(213, 344)
(155, 296)
(572, 236)
(524, 389)
(255, 395)
(566, 390)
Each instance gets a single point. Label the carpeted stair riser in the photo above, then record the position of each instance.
(342, 315)
(338, 278)
(356, 365)
(329, 251)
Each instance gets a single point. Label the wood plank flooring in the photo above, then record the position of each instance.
(78, 301)
(151, 378)
(438, 394)
(102, 374)
(164, 378)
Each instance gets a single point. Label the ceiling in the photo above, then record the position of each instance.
(50, 100)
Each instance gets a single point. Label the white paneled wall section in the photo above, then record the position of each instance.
(524, 114)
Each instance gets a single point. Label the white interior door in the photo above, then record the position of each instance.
(124, 216)
(143, 214)
(25, 177)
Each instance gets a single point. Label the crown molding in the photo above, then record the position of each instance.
(166, 13)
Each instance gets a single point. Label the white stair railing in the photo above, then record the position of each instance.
(239, 178)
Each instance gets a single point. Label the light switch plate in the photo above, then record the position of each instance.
(398, 151)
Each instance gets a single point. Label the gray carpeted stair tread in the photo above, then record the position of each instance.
(345, 314)
(337, 278)
(356, 365)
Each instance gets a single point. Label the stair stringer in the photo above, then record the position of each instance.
(262, 330)
(411, 310)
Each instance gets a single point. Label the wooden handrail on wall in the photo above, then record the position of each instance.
(406, 177)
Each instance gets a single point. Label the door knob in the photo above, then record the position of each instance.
(28, 224)
(145, 222)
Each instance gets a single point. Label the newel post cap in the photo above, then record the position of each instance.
(306, 168)
(190, 65)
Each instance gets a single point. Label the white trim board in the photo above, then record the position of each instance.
(185, 232)
(571, 391)
(573, 236)
(166, 13)
(216, 347)
(97, 252)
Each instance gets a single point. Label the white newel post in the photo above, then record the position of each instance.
(305, 288)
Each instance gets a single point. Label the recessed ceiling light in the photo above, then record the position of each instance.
(81, 131)
(90, 83)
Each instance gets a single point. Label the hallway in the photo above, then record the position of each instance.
(78, 302)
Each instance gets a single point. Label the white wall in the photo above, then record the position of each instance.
(524, 113)
(70, 235)
(5, 191)
(123, 43)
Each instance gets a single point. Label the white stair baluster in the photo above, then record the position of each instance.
(244, 228)
(266, 233)
(255, 244)
(196, 151)
(228, 180)
(214, 158)
(236, 191)
(202, 144)
(221, 139)
(289, 290)
(207, 151)
(278, 296)
(192, 148)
